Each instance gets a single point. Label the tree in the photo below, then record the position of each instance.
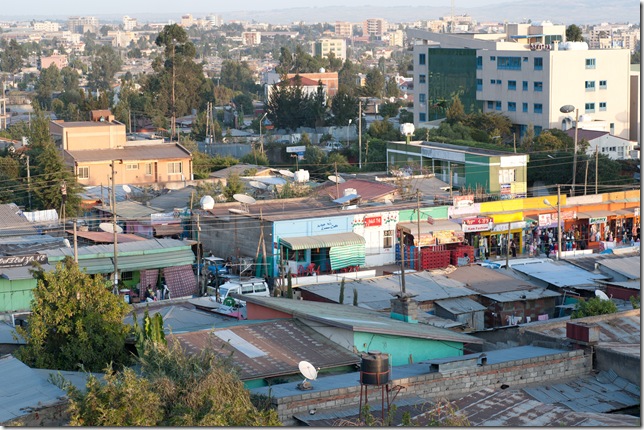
(12, 56)
(76, 322)
(384, 130)
(234, 185)
(48, 82)
(573, 34)
(388, 110)
(355, 297)
(593, 306)
(105, 64)
(528, 138)
(344, 107)
(237, 76)
(455, 113)
(341, 297)
(374, 83)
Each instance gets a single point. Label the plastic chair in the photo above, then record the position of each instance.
(301, 270)
(311, 270)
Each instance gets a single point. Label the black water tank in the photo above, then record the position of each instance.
(374, 368)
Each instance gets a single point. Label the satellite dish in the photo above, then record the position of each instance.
(388, 202)
(243, 198)
(109, 227)
(287, 173)
(601, 295)
(257, 185)
(207, 203)
(127, 188)
(307, 370)
(337, 179)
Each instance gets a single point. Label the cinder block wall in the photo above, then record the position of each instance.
(450, 385)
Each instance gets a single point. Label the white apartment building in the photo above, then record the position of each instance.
(47, 26)
(374, 27)
(214, 20)
(82, 24)
(323, 47)
(343, 29)
(251, 38)
(129, 24)
(187, 20)
(396, 38)
(530, 86)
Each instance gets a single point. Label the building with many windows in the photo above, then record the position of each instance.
(82, 24)
(374, 27)
(129, 24)
(343, 29)
(323, 47)
(527, 78)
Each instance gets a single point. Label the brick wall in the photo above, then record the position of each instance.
(446, 385)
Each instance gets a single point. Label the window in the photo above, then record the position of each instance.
(422, 79)
(590, 63)
(493, 81)
(602, 105)
(492, 58)
(132, 167)
(538, 63)
(83, 173)
(497, 105)
(499, 81)
(388, 239)
(525, 59)
(508, 63)
(421, 59)
(590, 85)
(612, 128)
(525, 85)
(422, 117)
(512, 106)
(479, 63)
(538, 86)
(538, 108)
(422, 98)
(525, 107)
(175, 168)
(506, 176)
(602, 85)
(512, 85)
(590, 107)
(127, 276)
(148, 169)
(490, 104)
(537, 130)
(479, 85)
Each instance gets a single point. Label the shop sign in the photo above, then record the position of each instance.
(22, 260)
(502, 228)
(476, 224)
(506, 189)
(636, 212)
(549, 219)
(597, 220)
(373, 221)
(463, 201)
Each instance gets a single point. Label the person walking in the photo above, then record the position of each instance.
(513, 248)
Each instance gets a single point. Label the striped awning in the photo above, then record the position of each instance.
(425, 227)
(346, 256)
(594, 214)
(323, 241)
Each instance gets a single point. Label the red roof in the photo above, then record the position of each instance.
(367, 190)
(304, 81)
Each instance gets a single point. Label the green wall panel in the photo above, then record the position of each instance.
(402, 348)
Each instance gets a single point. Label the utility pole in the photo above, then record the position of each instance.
(173, 99)
(574, 160)
(359, 134)
(402, 262)
(114, 228)
(337, 185)
(201, 284)
(418, 222)
(596, 168)
(75, 243)
(450, 179)
(586, 177)
(507, 249)
(28, 181)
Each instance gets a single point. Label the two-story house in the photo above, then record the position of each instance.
(90, 147)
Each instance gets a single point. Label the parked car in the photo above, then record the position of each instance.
(245, 287)
(332, 146)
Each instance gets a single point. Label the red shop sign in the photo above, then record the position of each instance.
(374, 221)
(476, 221)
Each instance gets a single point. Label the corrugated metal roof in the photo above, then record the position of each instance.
(323, 241)
(105, 237)
(22, 388)
(15, 273)
(368, 190)
(630, 267)
(130, 152)
(376, 293)
(461, 305)
(173, 199)
(631, 285)
(489, 281)
(515, 408)
(358, 320)
(513, 296)
(425, 227)
(108, 250)
(130, 209)
(21, 245)
(560, 274)
(12, 223)
(282, 345)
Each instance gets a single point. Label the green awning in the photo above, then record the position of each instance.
(129, 263)
(345, 256)
(323, 241)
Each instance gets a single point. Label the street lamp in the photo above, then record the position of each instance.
(546, 202)
(568, 109)
(348, 131)
(261, 141)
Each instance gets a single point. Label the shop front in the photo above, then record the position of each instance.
(594, 226)
(322, 253)
(473, 228)
(503, 225)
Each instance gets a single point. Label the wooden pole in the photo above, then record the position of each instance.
(418, 221)
(596, 167)
(75, 243)
(402, 262)
(586, 177)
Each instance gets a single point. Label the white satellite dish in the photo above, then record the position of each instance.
(257, 185)
(243, 198)
(207, 203)
(601, 295)
(307, 370)
(287, 173)
(336, 179)
(127, 188)
(109, 227)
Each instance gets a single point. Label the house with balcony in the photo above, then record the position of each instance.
(90, 147)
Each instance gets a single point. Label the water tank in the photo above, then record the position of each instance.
(207, 203)
(374, 369)
(349, 191)
(573, 46)
(301, 175)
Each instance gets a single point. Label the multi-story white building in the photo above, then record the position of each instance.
(374, 27)
(214, 20)
(251, 38)
(343, 29)
(129, 24)
(528, 82)
(47, 26)
(396, 38)
(82, 24)
(187, 20)
(324, 47)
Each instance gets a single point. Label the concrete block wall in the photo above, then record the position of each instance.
(450, 385)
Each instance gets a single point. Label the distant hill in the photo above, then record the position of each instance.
(568, 12)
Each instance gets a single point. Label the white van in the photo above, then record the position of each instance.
(244, 287)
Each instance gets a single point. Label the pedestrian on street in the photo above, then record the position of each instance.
(513, 248)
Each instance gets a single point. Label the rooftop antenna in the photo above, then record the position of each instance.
(309, 372)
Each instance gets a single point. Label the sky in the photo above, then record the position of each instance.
(124, 7)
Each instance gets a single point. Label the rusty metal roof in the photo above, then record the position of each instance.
(629, 267)
(368, 190)
(489, 281)
(105, 237)
(132, 153)
(269, 349)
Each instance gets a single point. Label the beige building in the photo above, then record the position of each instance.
(47, 26)
(251, 38)
(323, 47)
(374, 27)
(396, 38)
(90, 147)
(129, 24)
(343, 29)
(59, 60)
(82, 24)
